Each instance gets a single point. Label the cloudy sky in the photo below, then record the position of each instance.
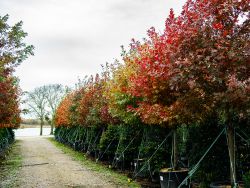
(73, 38)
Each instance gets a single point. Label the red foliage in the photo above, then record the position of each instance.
(93, 107)
(182, 75)
(85, 106)
(199, 65)
(9, 103)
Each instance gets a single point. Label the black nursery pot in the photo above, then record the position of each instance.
(220, 185)
(224, 184)
(173, 178)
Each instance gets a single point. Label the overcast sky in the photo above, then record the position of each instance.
(73, 38)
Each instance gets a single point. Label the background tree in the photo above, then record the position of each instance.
(54, 94)
(37, 103)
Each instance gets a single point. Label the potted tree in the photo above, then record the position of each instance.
(159, 102)
(213, 60)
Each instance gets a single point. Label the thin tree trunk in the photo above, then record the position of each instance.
(52, 128)
(231, 149)
(52, 124)
(41, 127)
(175, 150)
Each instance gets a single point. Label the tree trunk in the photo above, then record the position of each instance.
(52, 125)
(52, 128)
(41, 127)
(175, 150)
(231, 149)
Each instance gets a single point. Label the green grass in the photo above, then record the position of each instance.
(109, 174)
(9, 166)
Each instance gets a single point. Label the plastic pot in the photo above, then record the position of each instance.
(224, 184)
(170, 178)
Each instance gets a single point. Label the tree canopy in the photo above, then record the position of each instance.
(13, 51)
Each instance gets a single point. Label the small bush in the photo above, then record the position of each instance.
(108, 142)
(150, 146)
(127, 148)
(7, 137)
(246, 179)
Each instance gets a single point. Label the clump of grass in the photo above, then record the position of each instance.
(9, 166)
(112, 176)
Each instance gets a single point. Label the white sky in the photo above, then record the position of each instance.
(74, 37)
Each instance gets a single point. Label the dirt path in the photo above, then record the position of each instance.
(45, 166)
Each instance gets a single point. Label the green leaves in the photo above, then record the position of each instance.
(13, 51)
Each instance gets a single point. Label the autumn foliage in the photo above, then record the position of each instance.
(63, 111)
(85, 106)
(185, 73)
(197, 68)
(9, 111)
(12, 52)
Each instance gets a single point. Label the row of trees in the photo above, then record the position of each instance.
(198, 68)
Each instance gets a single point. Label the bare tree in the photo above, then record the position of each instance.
(54, 94)
(37, 102)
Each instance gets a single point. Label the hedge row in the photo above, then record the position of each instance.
(7, 137)
(134, 149)
(120, 146)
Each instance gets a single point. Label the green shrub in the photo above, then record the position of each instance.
(246, 179)
(152, 137)
(215, 166)
(7, 137)
(129, 141)
(108, 142)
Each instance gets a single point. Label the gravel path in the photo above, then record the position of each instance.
(45, 166)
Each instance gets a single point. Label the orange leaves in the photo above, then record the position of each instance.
(85, 106)
(152, 114)
(63, 111)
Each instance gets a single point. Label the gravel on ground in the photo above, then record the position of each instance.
(45, 166)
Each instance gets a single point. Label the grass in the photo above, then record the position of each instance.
(109, 174)
(9, 166)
